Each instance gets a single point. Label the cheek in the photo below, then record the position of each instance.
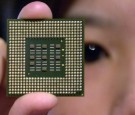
(102, 87)
(96, 100)
(98, 83)
(100, 93)
(102, 79)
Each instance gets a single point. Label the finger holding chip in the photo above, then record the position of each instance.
(33, 104)
(37, 103)
(43, 101)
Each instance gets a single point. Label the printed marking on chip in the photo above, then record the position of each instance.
(46, 56)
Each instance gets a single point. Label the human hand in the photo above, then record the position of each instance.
(29, 104)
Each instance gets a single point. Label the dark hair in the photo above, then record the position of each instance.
(59, 7)
(11, 8)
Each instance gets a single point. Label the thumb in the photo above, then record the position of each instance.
(33, 104)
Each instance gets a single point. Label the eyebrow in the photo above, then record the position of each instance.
(96, 21)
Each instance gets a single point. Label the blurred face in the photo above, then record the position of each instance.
(110, 59)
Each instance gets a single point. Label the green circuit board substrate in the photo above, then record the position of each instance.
(45, 56)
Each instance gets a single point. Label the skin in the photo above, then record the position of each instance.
(109, 82)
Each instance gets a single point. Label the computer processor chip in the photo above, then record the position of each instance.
(46, 56)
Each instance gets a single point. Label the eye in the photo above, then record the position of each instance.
(94, 52)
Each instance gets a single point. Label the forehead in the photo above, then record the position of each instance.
(121, 12)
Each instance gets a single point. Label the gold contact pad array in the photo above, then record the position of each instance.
(72, 83)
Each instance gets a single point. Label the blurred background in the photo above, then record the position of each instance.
(9, 9)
